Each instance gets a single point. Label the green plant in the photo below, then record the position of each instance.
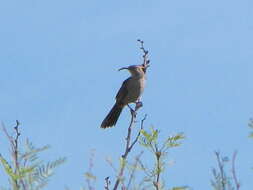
(150, 140)
(25, 169)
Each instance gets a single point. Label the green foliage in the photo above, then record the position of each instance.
(27, 170)
(174, 141)
(180, 188)
(89, 175)
(43, 172)
(150, 140)
(7, 168)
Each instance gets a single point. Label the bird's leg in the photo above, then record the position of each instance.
(133, 112)
(138, 105)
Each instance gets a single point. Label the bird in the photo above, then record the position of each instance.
(130, 92)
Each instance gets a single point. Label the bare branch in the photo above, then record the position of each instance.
(139, 133)
(146, 61)
(111, 164)
(144, 169)
(15, 154)
(107, 183)
(15, 147)
(89, 174)
(124, 156)
(237, 184)
(221, 168)
(157, 183)
(134, 169)
(129, 145)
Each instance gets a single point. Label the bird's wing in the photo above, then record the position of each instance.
(122, 91)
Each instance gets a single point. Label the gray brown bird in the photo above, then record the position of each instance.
(129, 92)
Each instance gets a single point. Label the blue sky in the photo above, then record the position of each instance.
(58, 76)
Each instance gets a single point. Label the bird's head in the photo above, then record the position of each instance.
(135, 70)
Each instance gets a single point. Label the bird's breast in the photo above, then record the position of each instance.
(135, 89)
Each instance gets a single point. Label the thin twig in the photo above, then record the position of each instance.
(124, 156)
(158, 156)
(143, 49)
(158, 175)
(221, 168)
(91, 164)
(107, 183)
(139, 133)
(129, 146)
(15, 154)
(111, 164)
(134, 169)
(237, 184)
(15, 147)
(146, 61)
(144, 169)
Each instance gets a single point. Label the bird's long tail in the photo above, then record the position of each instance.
(113, 116)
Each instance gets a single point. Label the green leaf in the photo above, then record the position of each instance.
(146, 134)
(180, 188)
(8, 168)
(24, 171)
(147, 138)
(31, 152)
(174, 141)
(89, 175)
(143, 142)
(42, 172)
(154, 135)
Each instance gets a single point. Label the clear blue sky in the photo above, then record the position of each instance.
(58, 76)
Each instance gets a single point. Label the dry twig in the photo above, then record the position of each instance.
(146, 61)
(237, 184)
(221, 168)
(107, 183)
(89, 174)
(129, 146)
(134, 169)
(15, 154)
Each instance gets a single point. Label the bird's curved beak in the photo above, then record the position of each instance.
(123, 68)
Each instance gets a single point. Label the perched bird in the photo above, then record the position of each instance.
(129, 92)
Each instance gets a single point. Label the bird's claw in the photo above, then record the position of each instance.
(138, 105)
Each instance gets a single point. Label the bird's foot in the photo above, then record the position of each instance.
(138, 105)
